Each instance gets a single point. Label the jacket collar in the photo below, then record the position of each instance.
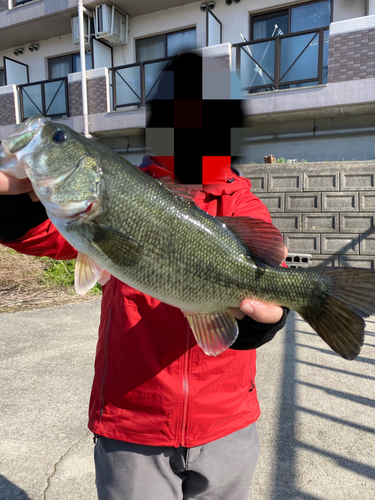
(228, 182)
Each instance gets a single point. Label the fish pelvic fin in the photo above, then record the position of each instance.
(214, 332)
(87, 273)
(339, 321)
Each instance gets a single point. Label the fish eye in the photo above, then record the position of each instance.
(59, 136)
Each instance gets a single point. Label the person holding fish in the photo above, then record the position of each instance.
(185, 266)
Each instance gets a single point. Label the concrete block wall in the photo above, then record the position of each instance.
(323, 209)
(3, 5)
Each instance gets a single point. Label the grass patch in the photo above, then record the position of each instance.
(28, 282)
(60, 273)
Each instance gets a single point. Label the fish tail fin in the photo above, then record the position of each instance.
(339, 320)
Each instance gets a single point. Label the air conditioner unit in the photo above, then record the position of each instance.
(110, 24)
(86, 28)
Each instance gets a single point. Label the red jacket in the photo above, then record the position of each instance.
(153, 384)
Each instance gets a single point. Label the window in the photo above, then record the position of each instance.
(169, 44)
(58, 67)
(313, 15)
(288, 48)
(2, 77)
(20, 2)
(271, 24)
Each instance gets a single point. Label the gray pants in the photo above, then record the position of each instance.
(219, 470)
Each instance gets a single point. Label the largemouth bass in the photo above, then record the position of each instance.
(123, 222)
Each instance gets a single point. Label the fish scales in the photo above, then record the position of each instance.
(171, 270)
(123, 222)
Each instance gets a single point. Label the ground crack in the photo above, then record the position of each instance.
(59, 460)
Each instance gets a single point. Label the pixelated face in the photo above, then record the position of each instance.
(195, 124)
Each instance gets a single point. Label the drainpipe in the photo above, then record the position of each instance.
(83, 69)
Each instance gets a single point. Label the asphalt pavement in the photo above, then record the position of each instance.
(317, 428)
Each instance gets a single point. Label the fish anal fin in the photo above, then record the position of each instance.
(263, 239)
(87, 273)
(214, 332)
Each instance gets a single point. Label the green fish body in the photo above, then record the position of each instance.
(125, 223)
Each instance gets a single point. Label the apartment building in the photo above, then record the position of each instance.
(306, 68)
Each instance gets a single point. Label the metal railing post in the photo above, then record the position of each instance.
(143, 86)
(277, 62)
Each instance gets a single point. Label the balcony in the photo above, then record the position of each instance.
(135, 84)
(287, 61)
(48, 98)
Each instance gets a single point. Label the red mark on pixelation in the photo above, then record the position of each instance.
(166, 162)
(213, 168)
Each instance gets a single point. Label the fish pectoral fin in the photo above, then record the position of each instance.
(116, 246)
(214, 332)
(87, 273)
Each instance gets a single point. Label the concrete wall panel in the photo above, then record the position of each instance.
(324, 223)
(303, 202)
(302, 243)
(339, 201)
(339, 230)
(287, 223)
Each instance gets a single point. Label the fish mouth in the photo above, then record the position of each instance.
(23, 135)
(17, 145)
(71, 212)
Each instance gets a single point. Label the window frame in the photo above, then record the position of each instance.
(71, 55)
(174, 32)
(18, 3)
(285, 9)
(3, 69)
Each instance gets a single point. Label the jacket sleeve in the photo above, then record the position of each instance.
(25, 227)
(253, 334)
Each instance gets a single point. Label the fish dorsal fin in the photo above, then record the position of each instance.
(263, 239)
(185, 191)
(214, 332)
(87, 273)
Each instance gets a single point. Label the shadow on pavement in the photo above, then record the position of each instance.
(301, 400)
(9, 491)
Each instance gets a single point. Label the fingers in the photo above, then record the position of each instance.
(259, 311)
(11, 185)
(33, 196)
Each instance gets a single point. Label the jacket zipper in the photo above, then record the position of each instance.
(105, 362)
(185, 388)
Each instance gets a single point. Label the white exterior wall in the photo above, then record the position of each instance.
(348, 9)
(37, 61)
(349, 25)
(21, 13)
(235, 19)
